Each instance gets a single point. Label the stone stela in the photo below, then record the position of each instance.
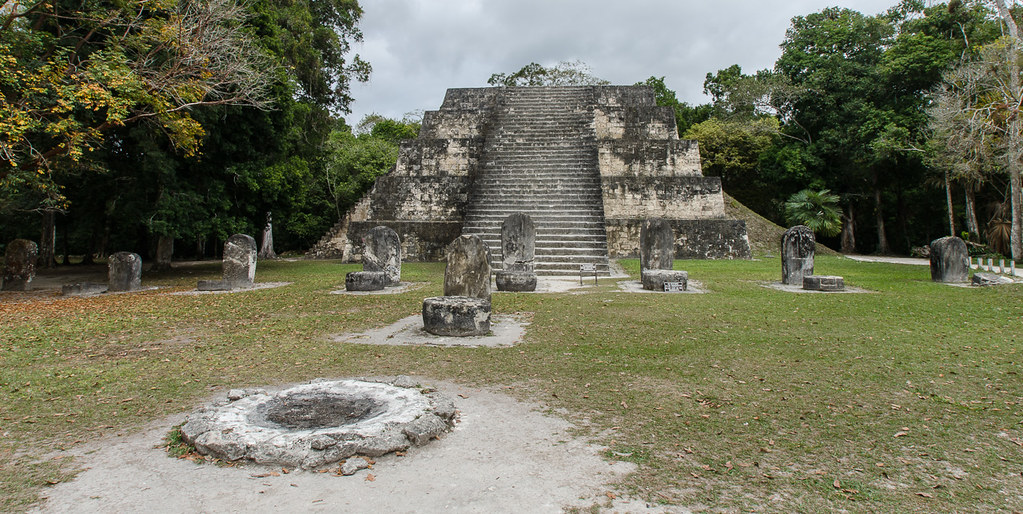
(950, 260)
(124, 272)
(464, 310)
(518, 251)
(19, 265)
(798, 245)
(657, 256)
(381, 262)
(588, 164)
(239, 265)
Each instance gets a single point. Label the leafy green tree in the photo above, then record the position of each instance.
(72, 70)
(735, 151)
(818, 210)
(353, 162)
(251, 161)
(565, 73)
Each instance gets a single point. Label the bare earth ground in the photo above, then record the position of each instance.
(502, 456)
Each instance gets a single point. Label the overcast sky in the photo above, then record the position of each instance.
(420, 48)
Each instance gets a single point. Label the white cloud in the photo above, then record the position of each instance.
(420, 48)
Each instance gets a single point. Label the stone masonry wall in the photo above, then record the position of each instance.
(646, 172)
(694, 239)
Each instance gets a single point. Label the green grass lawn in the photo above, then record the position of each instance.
(905, 398)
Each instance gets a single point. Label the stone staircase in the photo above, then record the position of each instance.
(540, 159)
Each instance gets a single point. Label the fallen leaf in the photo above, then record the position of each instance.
(370, 477)
(837, 484)
(925, 495)
(610, 495)
(900, 434)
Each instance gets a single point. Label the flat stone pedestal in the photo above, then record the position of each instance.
(989, 279)
(366, 281)
(458, 316)
(654, 279)
(823, 283)
(213, 285)
(516, 281)
(82, 288)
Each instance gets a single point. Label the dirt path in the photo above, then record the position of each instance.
(503, 456)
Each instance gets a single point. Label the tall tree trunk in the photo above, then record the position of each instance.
(47, 240)
(882, 238)
(948, 203)
(971, 214)
(848, 230)
(164, 253)
(1014, 140)
(266, 249)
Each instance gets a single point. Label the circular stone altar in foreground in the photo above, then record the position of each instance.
(319, 423)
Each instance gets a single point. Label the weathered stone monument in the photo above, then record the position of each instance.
(990, 279)
(381, 262)
(657, 256)
(239, 265)
(164, 253)
(950, 260)
(464, 310)
(320, 423)
(823, 283)
(19, 265)
(124, 272)
(588, 164)
(797, 249)
(518, 249)
(383, 253)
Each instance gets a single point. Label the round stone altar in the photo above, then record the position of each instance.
(654, 279)
(458, 316)
(315, 424)
(823, 283)
(366, 281)
(516, 281)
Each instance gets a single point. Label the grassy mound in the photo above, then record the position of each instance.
(764, 235)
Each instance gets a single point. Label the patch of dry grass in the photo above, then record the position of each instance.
(904, 398)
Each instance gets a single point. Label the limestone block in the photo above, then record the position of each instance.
(518, 243)
(213, 285)
(648, 158)
(990, 279)
(682, 197)
(240, 261)
(124, 272)
(797, 249)
(468, 268)
(516, 281)
(950, 260)
(823, 283)
(82, 288)
(694, 239)
(382, 252)
(19, 265)
(656, 245)
(458, 316)
(365, 281)
(654, 279)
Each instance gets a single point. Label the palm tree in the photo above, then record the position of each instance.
(818, 210)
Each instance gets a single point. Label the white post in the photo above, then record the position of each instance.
(1001, 265)
(990, 265)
